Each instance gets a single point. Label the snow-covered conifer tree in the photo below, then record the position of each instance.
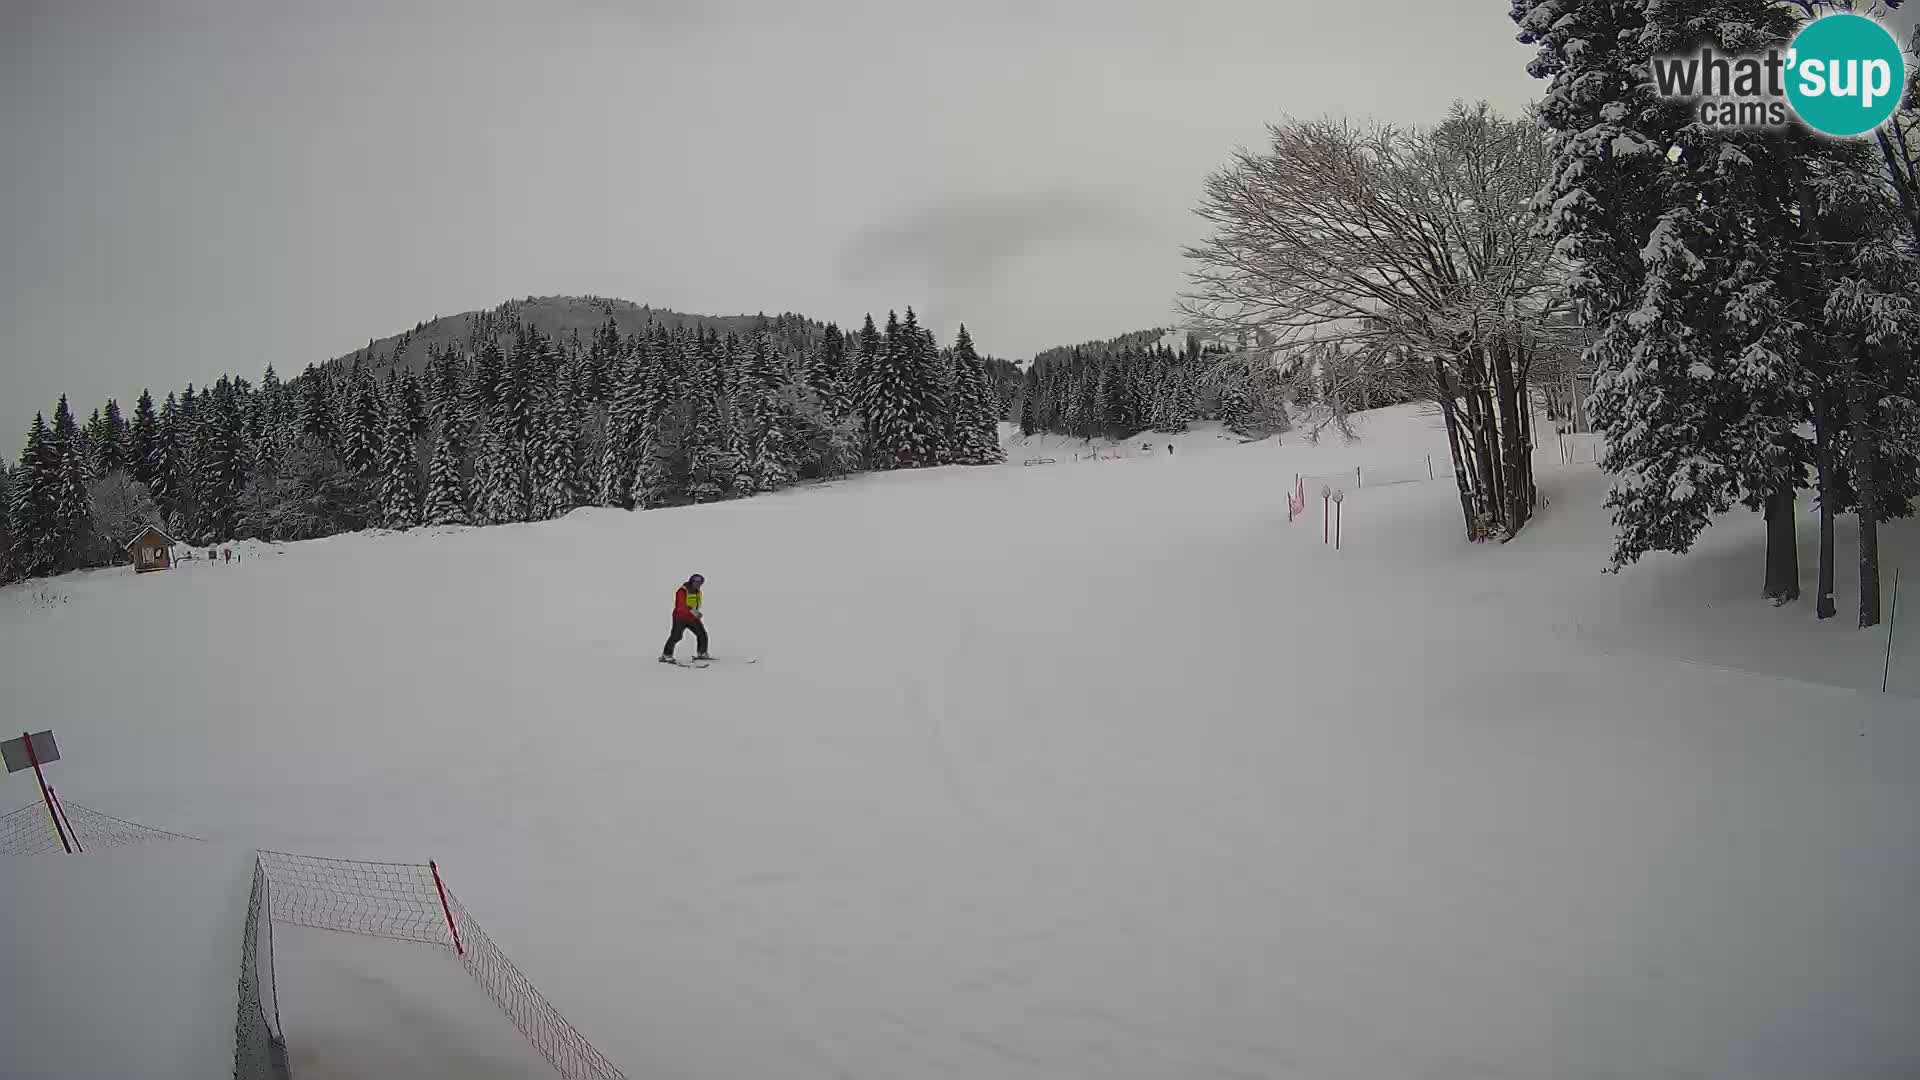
(446, 502)
(399, 471)
(142, 440)
(827, 371)
(771, 440)
(363, 432)
(977, 425)
(556, 455)
(35, 506)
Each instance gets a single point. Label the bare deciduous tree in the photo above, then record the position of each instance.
(120, 506)
(1899, 143)
(1406, 259)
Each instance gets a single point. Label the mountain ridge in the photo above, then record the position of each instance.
(559, 317)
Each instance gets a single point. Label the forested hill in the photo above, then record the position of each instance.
(567, 320)
(1138, 342)
(1146, 380)
(522, 413)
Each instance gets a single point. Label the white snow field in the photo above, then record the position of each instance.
(1079, 770)
(122, 963)
(361, 1008)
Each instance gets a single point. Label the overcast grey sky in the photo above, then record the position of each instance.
(188, 189)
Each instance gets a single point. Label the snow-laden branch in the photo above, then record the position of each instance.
(1373, 237)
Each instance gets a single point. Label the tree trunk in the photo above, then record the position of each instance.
(1449, 410)
(1523, 379)
(1823, 464)
(1513, 449)
(1867, 488)
(1480, 420)
(1526, 442)
(1473, 440)
(1783, 551)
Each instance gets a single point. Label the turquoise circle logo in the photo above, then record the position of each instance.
(1847, 75)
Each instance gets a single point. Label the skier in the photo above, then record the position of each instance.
(686, 616)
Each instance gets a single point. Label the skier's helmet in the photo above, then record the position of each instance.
(696, 580)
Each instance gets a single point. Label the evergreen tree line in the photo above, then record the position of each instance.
(513, 427)
(1753, 294)
(1134, 383)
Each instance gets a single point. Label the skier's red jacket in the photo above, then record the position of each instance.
(686, 605)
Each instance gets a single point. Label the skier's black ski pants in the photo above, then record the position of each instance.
(680, 627)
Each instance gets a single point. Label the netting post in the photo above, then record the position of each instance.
(446, 910)
(62, 808)
(1887, 667)
(46, 793)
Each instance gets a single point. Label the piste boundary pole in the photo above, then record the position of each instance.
(46, 793)
(446, 910)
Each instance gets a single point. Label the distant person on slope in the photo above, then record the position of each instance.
(686, 616)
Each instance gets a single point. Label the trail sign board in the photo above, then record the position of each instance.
(14, 751)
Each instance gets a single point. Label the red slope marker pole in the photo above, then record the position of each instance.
(46, 793)
(444, 909)
(71, 831)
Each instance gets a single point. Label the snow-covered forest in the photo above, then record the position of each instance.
(509, 425)
(1746, 302)
(1138, 382)
(1751, 292)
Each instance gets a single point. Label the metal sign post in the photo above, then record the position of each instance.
(32, 751)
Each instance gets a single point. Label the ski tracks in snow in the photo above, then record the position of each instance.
(914, 702)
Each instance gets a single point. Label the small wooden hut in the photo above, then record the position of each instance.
(150, 549)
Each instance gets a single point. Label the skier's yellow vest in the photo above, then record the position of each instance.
(686, 603)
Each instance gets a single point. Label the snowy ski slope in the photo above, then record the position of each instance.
(1081, 770)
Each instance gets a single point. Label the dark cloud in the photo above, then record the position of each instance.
(962, 240)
